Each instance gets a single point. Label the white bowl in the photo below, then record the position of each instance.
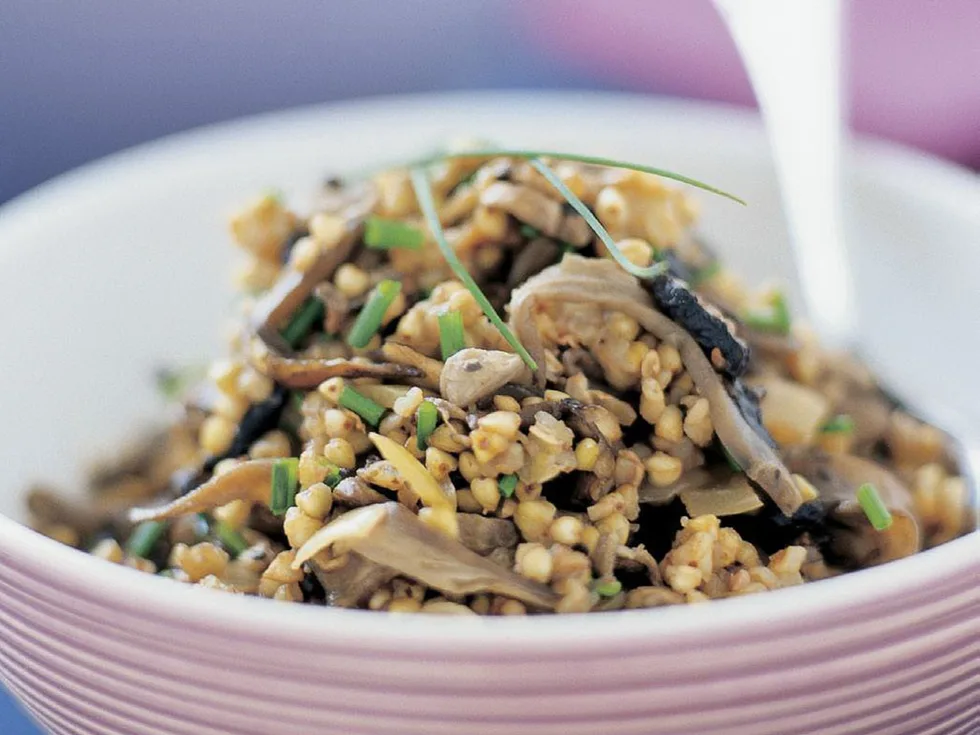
(114, 269)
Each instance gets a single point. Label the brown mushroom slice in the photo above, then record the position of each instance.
(733, 499)
(306, 373)
(792, 413)
(352, 584)
(391, 535)
(691, 480)
(837, 477)
(335, 305)
(604, 283)
(525, 204)
(532, 258)
(472, 374)
(250, 481)
(356, 493)
(400, 354)
(483, 534)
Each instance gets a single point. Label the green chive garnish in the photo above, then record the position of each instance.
(702, 275)
(530, 233)
(284, 481)
(423, 194)
(426, 418)
(333, 476)
(144, 537)
(874, 507)
(231, 539)
(368, 322)
(840, 424)
(363, 406)
(302, 322)
(386, 234)
(595, 160)
(776, 319)
(507, 484)
(451, 333)
(579, 206)
(608, 588)
(173, 383)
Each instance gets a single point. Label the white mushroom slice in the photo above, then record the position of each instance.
(792, 413)
(525, 204)
(734, 499)
(393, 536)
(472, 374)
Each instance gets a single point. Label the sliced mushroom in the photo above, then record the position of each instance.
(250, 481)
(356, 493)
(733, 498)
(472, 374)
(391, 535)
(306, 373)
(335, 306)
(605, 284)
(852, 537)
(704, 322)
(532, 258)
(352, 584)
(526, 204)
(483, 534)
(430, 368)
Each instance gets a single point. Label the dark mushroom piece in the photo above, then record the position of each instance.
(356, 493)
(603, 283)
(483, 534)
(852, 537)
(704, 322)
(532, 258)
(306, 373)
(391, 535)
(352, 584)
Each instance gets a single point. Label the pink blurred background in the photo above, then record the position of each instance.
(914, 64)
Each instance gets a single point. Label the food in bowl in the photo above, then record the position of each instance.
(642, 431)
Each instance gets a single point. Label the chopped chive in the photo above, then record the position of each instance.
(144, 537)
(874, 507)
(426, 418)
(507, 484)
(608, 588)
(705, 274)
(368, 322)
(423, 193)
(530, 233)
(840, 424)
(231, 539)
(776, 319)
(333, 476)
(363, 406)
(303, 320)
(296, 399)
(387, 234)
(283, 494)
(451, 333)
(579, 206)
(595, 160)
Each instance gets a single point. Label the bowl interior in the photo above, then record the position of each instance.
(123, 266)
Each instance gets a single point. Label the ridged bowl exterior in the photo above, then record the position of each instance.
(132, 655)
